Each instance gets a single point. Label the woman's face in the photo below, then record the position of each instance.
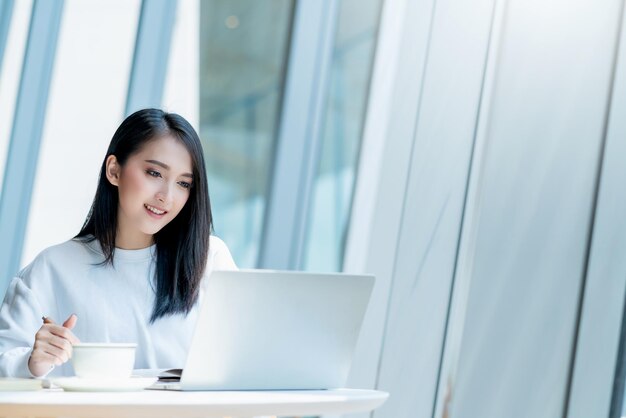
(153, 186)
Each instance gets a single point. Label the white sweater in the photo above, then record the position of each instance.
(113, 304)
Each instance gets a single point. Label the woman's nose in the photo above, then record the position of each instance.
(163, 194)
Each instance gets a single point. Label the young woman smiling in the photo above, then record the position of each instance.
(135, 271)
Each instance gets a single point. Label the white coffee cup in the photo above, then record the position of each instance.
(103, 360)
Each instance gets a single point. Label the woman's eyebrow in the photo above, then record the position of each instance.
(167, 167)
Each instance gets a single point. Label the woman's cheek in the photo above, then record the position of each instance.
(135, 182)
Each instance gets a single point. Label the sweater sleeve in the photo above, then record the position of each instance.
(20, 318)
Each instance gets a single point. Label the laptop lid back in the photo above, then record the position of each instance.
(261, 329)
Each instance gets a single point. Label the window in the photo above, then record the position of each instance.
(243, 53)
(351, 69)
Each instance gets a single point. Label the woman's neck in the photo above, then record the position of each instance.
(127, 240)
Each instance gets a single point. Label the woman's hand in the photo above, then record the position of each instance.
(53, 345)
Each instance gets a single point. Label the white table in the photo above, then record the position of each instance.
(170, 404)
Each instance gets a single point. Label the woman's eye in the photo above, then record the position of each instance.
(184, 184)
(153, 173)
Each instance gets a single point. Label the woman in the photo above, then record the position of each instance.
(134, 272)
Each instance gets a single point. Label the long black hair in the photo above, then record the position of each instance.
(182, 246)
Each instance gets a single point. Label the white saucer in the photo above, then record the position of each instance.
(82, 384)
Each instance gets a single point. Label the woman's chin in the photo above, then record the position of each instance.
(151, 229)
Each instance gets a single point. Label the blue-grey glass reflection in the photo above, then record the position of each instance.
(344, 117)
(243, 51)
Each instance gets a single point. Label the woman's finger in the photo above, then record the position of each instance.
(56, 352)
(70, 322)
(44, 345)
(47, 354)
(61, 343)
(63, 333)
(41, 357)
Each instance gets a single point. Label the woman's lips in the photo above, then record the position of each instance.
(151, 211)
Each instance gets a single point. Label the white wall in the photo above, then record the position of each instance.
(524, 248)
(86, 104)
(480, 242)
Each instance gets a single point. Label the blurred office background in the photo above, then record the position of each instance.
(471, 155)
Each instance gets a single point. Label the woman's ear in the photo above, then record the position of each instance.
(113, 170)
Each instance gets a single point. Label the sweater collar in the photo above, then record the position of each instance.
(120, 254)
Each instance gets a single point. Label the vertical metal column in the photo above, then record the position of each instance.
(152, 48)
(30, 111)
(297, 152)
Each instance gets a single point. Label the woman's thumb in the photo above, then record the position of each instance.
(70, 322)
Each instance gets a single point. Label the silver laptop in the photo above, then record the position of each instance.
(274, 330)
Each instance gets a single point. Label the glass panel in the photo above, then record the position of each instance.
(10, 73)
(353, 53)
(243, 52)
(181, 90)
(85, 106)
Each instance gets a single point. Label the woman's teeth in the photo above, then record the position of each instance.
(154, 210)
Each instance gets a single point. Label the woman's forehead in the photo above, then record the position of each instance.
(169, 151)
